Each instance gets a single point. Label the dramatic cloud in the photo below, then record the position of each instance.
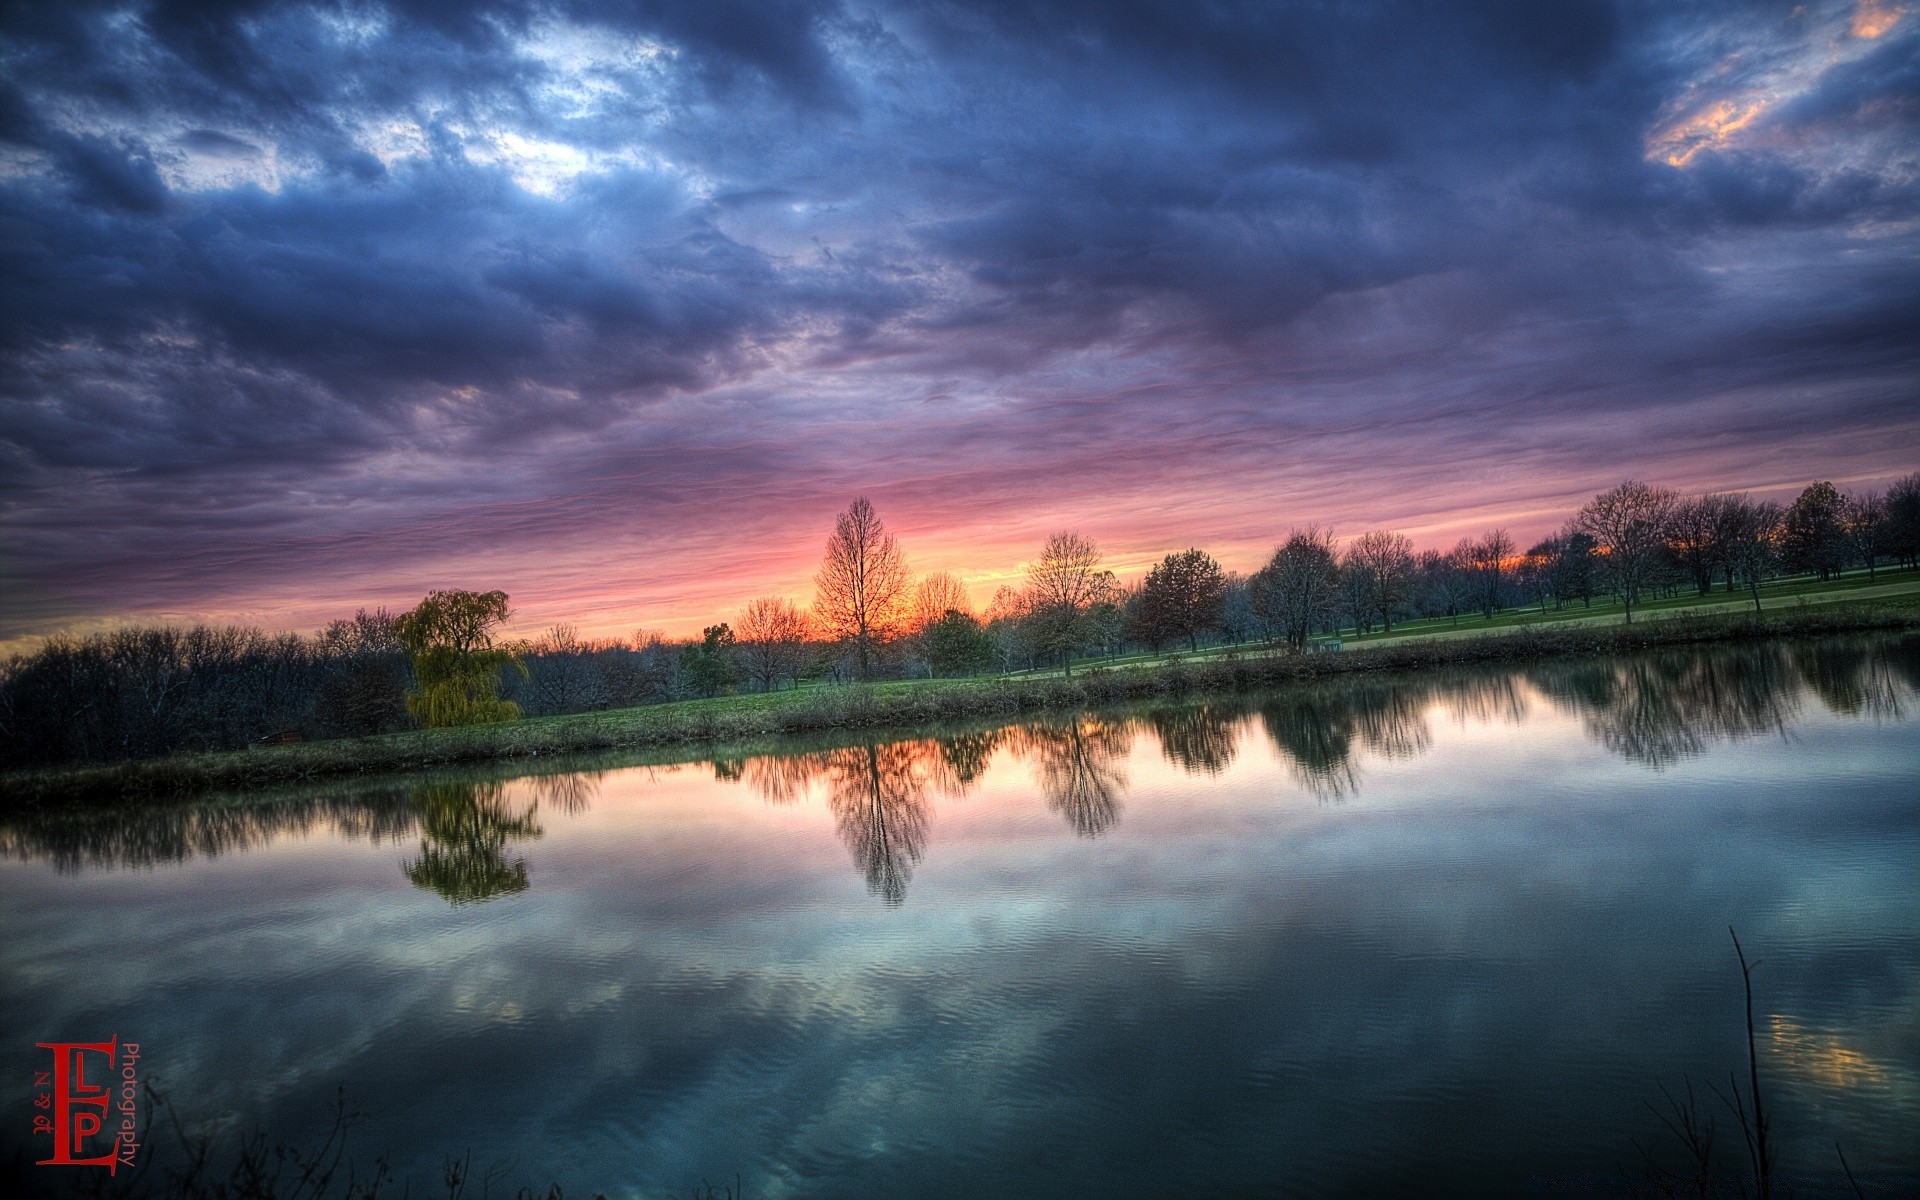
(614, 304)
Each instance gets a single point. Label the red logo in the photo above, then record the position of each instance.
(93, 1093)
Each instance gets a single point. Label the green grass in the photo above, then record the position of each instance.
(1889, 587)
(756, 721)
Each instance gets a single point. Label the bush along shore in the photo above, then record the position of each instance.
(736, 720)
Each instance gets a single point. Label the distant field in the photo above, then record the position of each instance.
(1889, 587)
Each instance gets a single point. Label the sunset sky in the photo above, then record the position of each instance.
(614, 305)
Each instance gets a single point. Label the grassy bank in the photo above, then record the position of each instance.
(1886, 587)
(735, 720)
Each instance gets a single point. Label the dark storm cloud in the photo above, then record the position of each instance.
(314, 262)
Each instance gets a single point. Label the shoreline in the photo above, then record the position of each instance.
(731, 721)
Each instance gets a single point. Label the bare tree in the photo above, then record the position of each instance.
(1010, 625)
(1753, 550)
(862, 584)
(1487, 558)
(1237, 621)
(1629, 527)
(1064, 585)
(1297, 589)
(773, 639)
(1442, 582)
(934, 597)
(1869, 529)
(1903, 516)
(1384, 562)
(1698, 537)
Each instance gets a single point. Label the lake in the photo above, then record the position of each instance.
(1448, 933)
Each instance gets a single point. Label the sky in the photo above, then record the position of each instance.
(310, 307)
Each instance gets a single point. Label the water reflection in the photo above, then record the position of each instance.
(465, 828)
(1317, 742)
(1199, 738)
(1654, 709)
(1657, 709)
(1852, 680)
(1464, 979)
(1078, 765)
(878, 795)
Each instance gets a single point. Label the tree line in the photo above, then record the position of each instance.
(1654, 709)
(141, 692)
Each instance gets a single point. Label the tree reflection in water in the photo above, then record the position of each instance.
(1852, 680)
(878, 796)
(1197, 738)
(1078, 766)
(877, 793)
(464, 830)
(1653, 708)
(1660, 708)
(1316, 739)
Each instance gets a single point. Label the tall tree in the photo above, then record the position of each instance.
(1237, 621)
(1064, 586)
(1488, 560)
(1869, 529)
(1181, 598)
(1297, 590)
(449, 638)
(1813, 533)
(1753, 550)
(1629, 528)
(1698, 536)
(1903, 519)
(773, 640)
(861, 585)
(1384, 561)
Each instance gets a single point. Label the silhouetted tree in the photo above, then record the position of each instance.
(708, 664)
(1813, 532)
(1381, 564)
(1753, 547)
(1698, 537)
(1903, 520)
(1064, 584)
(1237, 621)
(1296, 591)
(1180, 599)
(862, 584)
(773, 641)
(1442, 584)
(1869, 530)
(1487, 560)
(934, 597)
(1629, 528)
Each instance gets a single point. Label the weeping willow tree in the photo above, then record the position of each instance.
(455, 663)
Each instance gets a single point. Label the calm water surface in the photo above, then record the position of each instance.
(1447, 934)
